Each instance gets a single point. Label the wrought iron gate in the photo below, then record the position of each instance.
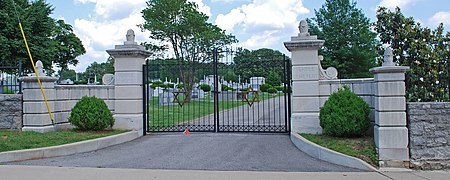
(228, 92)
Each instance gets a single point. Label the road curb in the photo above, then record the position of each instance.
(328, 155)
(68, 149)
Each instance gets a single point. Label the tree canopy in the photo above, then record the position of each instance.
(49, 40)
(179, 23)
(192, 39)
(350, 45)
(424, 50)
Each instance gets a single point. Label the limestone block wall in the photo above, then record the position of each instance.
(361, 87)
(429, 126)
(11, 111)
(66, 96)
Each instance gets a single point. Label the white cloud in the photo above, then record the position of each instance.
(270, 14)
(391, 4)
(227, 22)
(108, 25)
(266, 22)
(440, 17)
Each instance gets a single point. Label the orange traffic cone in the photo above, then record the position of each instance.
(186, 132)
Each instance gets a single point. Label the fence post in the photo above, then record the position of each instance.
(305, 81)
(390, 131)
(129, 59)
(35, 113)
(20, 75)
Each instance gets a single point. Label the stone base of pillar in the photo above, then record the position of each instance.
(306, 123)
(129, 122)
(50, 128)
(401, 154)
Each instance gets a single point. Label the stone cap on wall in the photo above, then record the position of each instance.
(389, 69)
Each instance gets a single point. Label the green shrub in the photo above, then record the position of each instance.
(180, 86)
(224, 87)
(205, 87)
(91, 114)
(165, 86)
(171, 85)
(245, 89)
(265, 87)
(279, 88)
(272, 90)
(80, 82)
(345, 114)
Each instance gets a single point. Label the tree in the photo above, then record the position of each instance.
(69, 46)
(263, 62)
(100, 69)
(49, 40)
(424, 50)
(186, 30)
(67, 74)
(38, 27)
(350, 45)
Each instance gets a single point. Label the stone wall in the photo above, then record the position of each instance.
(11, 111)
(68, 95)
(361, 87)
(429, 126)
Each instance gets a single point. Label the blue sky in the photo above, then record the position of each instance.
(101, 24)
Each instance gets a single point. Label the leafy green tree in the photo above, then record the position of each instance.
(98, 69)
(38, 27)
(424, 50)
(350, 45)
(263, 62)
(69, 46)
(186, 30)
(67, 74)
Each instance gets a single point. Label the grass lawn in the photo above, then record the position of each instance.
(362, 148)
(17, 140)
(167, 116)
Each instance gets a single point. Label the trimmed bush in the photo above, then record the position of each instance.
(265, 87)
(279, 88)
(272, 90)
(345, 114)
(91, 114)
(245, 89)
(180, 86)
(171, 85)
(205, 87)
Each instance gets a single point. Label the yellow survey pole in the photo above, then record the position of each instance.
(34, 67)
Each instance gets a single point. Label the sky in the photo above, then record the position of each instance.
(101, 24)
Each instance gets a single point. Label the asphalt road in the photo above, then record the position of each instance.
(199, 151)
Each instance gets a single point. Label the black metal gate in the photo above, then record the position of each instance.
(233, 91)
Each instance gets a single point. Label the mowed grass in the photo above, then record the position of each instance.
(18, 140)
(168, 116)
(362, 148)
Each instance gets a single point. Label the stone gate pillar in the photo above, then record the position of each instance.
(390, 131)
(35, 113)
(129, 59)
(305, 77)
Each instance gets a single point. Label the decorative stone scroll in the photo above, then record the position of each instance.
(328, 74)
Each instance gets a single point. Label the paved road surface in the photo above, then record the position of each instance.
(199, 151)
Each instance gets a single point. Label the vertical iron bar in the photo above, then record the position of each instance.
(288, 67)
(144, 99)
(284, 91)
(216, 91)
(20, 75)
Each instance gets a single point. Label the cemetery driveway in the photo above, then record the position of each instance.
(199, 151)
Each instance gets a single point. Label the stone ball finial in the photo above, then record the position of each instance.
(131, 37)
(388, 57)
(39, 68)
(303, 28)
